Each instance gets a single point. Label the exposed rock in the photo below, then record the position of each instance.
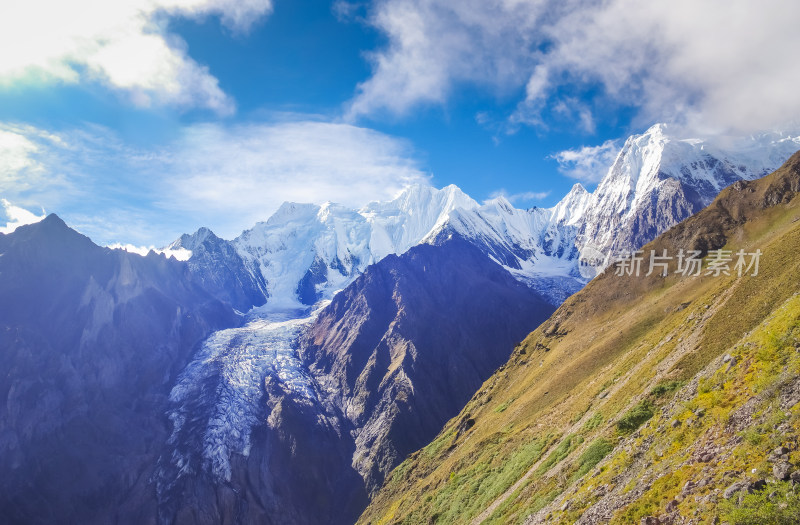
(757, 486)
(780, 451)
(781, 471)
(736, 487)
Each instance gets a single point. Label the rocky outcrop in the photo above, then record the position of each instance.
(222, 271)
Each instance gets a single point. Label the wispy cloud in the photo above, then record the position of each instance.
(225, 177)
(520, 197)
(588, 163)
(255, 167)
(434, 44)
(712, 66)
(123, 45)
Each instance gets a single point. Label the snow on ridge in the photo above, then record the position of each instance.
(180, 254)
(329, 245)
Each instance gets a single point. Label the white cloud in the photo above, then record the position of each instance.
(713, 65)
(588, 163)
(434, 44)
(123, 44)
(520, 197)
(254, 168)
(225, 177)
(16, 217)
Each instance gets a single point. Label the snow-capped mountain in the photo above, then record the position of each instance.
(295, 410)
(306, 252)
(656, 181)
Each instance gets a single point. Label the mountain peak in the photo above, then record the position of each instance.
(53, 220)
(50, 225)
(192, 241)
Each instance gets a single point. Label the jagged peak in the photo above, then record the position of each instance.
(192, 241)
(53, 220)
(576, 190)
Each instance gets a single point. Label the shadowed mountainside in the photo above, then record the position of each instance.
(90, 342)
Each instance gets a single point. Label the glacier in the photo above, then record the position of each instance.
(220, 395)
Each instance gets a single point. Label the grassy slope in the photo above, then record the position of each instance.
(530, 438)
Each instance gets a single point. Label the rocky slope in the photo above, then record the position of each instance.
(222, 271)
(554, 436)
(91, 340)
(401, 350)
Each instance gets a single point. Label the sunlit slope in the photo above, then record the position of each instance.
(625, 351)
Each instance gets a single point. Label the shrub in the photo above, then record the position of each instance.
(634, 418)
(665, 387)
(593, 422)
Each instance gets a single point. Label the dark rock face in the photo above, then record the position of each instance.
(670, 204)
(222, 271)
(402, 349)
(307, 287)
(91, 340)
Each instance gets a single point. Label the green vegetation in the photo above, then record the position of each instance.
(783, 508)
(593, 422)
(594, 454)
(503, 406)
(560, 452)
(666, 387)
(635, 417)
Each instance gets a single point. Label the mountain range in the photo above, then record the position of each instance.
(642, 399)
(281, 376)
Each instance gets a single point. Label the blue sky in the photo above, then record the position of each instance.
(139, 120)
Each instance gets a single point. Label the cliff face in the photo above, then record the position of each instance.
(664, 398)
(90, 341)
